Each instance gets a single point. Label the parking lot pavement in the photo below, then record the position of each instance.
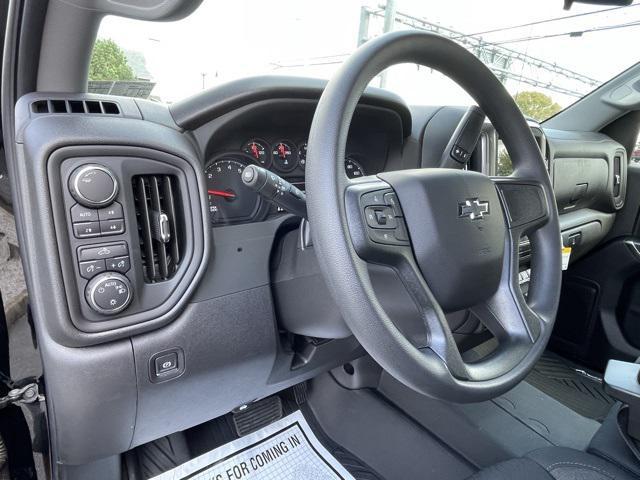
(12, 283)
(25, 362)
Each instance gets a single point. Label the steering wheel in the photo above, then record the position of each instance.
(450, 235)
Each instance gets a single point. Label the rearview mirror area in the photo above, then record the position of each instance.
(620, 3)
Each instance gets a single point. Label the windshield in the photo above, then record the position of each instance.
(546, 57)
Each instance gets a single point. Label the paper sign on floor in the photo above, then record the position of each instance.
(286, 449)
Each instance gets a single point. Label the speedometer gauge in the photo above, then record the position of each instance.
(258, 150)
(353, 169)
(230, 200)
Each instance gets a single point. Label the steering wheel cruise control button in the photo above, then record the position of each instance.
(109, 293)
(93, 186)
(380, 217)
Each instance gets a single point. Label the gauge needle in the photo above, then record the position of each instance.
(221, 193)
(254, 150)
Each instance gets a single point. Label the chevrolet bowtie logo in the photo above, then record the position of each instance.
(473, 209)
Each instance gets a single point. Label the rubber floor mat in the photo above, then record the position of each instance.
(579, 389)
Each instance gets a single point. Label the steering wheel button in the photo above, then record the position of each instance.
(385, 236)
(380, 217)
(391, 200)
(401, 232)
(373, 198)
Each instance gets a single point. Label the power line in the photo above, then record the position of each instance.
(550, 20)
(501, 59)
(574, 33)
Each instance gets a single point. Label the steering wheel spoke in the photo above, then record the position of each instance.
(524, 203)
(382, 246)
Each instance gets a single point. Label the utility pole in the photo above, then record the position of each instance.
(389, 20)
(203, 76)
(363, 31)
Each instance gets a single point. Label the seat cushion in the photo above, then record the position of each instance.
(518, 468)
(555, 463)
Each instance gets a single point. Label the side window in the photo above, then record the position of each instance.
(635, 155)
(504, 167)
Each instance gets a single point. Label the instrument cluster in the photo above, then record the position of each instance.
(231, 202)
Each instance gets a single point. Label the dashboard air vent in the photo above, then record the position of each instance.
(75, 106)
(157, 212)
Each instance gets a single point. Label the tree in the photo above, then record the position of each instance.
(108, 62)
(536, 105)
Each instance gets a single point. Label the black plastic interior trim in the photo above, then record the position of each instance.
(197, 110)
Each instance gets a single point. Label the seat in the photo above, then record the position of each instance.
(555, 463)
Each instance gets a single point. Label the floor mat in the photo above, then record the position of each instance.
(287, 448)
(579, 389)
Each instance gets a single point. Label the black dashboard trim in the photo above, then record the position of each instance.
(199, 109)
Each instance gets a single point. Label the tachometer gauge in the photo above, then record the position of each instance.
(353, 169)
(230, 201)
(302, 155)
(284, 156)
(259, 151)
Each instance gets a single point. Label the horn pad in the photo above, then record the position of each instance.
(457, 229)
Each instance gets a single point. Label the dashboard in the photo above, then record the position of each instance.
(273, 135)
(156, 252)
(232, 202)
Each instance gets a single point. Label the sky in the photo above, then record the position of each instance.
(226, 40)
